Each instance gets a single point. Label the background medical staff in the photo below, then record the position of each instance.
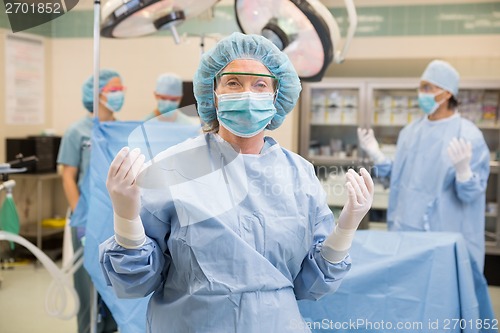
(74, 156)
(168, 95)
(439, 173)
(219, 250)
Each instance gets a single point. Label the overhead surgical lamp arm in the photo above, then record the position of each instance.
(97, 38)
(353, 23)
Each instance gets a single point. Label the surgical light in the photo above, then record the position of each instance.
(136, 18)
(304, 29)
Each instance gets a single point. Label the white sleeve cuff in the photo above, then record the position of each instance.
(462, 177)
(337, 245)
(378, 158)
(129, 233)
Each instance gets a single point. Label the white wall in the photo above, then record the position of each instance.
(139, 62)
(471, 46)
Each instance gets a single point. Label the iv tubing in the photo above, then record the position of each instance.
(61, 288)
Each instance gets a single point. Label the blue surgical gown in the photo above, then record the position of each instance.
(424, 193)
(233, 240)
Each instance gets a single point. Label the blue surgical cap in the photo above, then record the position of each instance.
(169, 84)
(105, 75)
(240, 46)
(443, 75)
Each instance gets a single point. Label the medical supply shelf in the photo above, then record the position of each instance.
(331, 111)
(47, 206)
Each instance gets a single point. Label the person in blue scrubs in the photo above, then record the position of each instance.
(168, 95)
(74, 156)
(440, 171)
(228, 230)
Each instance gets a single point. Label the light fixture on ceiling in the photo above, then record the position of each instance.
(136, 18)
(304, 29)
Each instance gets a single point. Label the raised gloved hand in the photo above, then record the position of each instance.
(460, 152)
(360, 190)
(369, 144)
(124, 192)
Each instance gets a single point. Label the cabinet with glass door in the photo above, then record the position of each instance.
(331, 111)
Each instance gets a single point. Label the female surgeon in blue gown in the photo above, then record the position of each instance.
(227, 230)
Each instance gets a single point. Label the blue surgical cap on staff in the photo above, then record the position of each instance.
(443, 75)
(105, 75)
(169, 84)
(240, 46)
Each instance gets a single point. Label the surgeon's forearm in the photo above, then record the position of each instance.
(464, 173)
(336, 246)
(382, 169)
(129, 233)
(472, 189)
(70, 190)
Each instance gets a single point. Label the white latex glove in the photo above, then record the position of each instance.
(369, 144)
(360, 190)
(125, 197)
(460, 152)
(124, 192)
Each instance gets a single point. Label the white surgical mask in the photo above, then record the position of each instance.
(247, 113)
(115, 100)
(427, 102)
(166, 106)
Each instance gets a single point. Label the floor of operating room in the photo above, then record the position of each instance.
(22, 296)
